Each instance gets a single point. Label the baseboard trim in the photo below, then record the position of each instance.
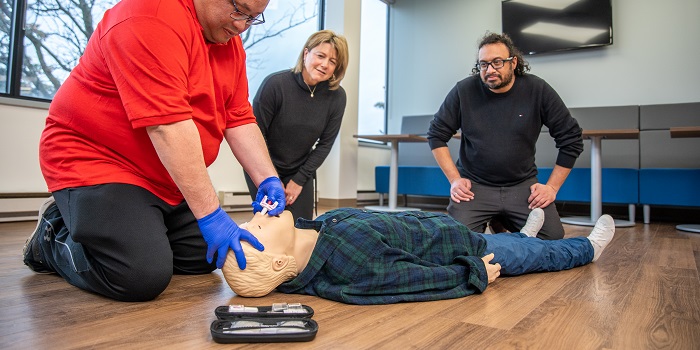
(14, 195)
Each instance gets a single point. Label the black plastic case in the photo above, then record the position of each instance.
(263, 330)
(277, 310)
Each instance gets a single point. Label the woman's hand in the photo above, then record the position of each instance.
(292, 190)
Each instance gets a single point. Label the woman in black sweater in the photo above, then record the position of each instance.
(299, 112)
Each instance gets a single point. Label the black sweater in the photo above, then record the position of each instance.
(499, 131)
(292, 122)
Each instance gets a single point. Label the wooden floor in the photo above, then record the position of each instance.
(643, 293)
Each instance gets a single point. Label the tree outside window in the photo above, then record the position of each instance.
(6, 15)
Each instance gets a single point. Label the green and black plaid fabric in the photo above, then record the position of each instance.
(366, 257)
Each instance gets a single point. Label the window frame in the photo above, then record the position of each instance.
(370, 143)
(14, 64)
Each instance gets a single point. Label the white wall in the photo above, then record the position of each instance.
(20, 130)
(651, 61)
(337, 177)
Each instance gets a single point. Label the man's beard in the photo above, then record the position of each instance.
(505, 80)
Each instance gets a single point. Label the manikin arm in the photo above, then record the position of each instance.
(493, 270)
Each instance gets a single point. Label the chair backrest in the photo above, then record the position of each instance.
(615, 153)
(419, 154)
(658, 149)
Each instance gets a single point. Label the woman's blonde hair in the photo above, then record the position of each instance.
(259, 277)
(340, 45)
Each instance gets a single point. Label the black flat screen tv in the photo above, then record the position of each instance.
(541, 26)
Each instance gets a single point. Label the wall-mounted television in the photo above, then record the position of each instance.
(541, 26)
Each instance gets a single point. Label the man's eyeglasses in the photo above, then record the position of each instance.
(496, 64)
(237, 15)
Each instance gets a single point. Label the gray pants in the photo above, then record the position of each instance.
(509, 204)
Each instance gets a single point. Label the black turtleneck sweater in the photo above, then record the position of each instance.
(292, 122)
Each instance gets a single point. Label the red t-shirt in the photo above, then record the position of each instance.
(146, 64)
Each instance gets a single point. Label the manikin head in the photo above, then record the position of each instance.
(267, 269)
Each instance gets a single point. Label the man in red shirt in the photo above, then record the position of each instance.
(127, 143)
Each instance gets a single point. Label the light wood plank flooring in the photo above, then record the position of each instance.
(643, 293)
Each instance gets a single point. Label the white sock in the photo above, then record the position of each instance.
(601, 235)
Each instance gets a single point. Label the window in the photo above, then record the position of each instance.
(275, 45)
(54, 36)
(55, 33)
(373, 57)
(6, 26)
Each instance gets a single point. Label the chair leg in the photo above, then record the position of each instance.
(381, 199)
(647, 213)
(632, 209)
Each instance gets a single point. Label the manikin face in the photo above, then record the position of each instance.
(214, 16)
(498, 80)
(276, 233)
(268, 269)
(319, 63)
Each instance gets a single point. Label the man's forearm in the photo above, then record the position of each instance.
(558, 176)
(444, 159)
(249, 148)
(180, 150)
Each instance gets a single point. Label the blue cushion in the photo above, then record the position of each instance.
(414, 180)
(620, 185)
(675, 187)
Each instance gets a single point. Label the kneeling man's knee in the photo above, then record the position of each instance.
(143, 284)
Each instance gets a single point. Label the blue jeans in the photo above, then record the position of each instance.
(519, 254)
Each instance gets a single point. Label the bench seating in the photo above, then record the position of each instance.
(669, 172)
(668, 187)
(653, 170)
(620, 186)
(414, 180)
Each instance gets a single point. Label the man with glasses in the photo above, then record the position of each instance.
(127, 143)
(500, 111)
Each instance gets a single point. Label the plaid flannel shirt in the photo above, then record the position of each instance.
(366, 257)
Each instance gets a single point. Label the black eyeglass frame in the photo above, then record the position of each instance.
(482, 66)
(249, 20)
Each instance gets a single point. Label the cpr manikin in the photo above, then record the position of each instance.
(358, 256)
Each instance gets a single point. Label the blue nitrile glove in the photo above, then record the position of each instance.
(221, 233)
(274, 190)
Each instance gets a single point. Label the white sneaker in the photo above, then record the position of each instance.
(601, 235)
(534, 223)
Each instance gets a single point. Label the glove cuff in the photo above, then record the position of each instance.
(269, 179)
(213, 216)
